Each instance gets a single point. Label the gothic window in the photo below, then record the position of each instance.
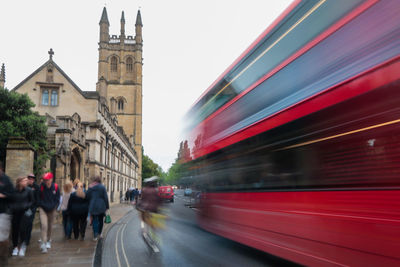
(45, 97)
(49, 96)
(121, 104)
(114, 62)
(54, 98)
(129, 65)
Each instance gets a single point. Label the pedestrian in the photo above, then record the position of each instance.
(132, 195)
(136, 194)
(127, 194)
(75, 183)
(6, 195)
(98, 205)
(36, 190)
(23, 201)
(78, 207)
(67, 222)
(48, 202)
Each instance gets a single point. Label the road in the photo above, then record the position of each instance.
(183, 243)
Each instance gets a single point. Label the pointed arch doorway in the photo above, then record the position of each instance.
(75, 165)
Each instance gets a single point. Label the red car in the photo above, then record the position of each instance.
(166, 192)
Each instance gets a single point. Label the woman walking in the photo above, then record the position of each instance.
(67, 222)
(98, 205)
(23, 201)
(78, 207)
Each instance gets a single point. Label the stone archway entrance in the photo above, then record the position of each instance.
(75, 166)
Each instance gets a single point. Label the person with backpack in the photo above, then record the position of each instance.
(21, 212)
(48, 203)
(98, 205)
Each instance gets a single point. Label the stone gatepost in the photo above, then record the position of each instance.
(19, 158)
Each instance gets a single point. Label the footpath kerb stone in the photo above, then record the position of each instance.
(67, 252)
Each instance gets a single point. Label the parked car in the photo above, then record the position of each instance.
(188, 192)
(166, 192)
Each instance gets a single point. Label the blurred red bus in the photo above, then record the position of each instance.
(296, 146)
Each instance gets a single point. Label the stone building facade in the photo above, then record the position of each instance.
(95, 132)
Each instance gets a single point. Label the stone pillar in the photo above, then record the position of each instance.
(19, 158)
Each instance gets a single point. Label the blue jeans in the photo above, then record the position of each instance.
(67, 224)
(98, 222)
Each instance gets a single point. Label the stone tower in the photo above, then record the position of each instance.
(120, 77)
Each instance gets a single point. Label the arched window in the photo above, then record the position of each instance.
(45, 98)
(120, 104)
(114, 62)
(129, 64)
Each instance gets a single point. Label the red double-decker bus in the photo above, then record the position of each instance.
(296, 146)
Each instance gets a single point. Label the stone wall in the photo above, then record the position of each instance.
(19, 158)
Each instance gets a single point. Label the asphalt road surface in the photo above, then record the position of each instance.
(183, 243)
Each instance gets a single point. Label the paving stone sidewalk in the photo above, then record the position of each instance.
(66, 252)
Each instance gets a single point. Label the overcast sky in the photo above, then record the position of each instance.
(187, 45)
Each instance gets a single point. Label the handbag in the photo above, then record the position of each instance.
(107, 219)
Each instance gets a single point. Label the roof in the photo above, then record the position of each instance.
(85, 94)
(138, 19)
(104, 17)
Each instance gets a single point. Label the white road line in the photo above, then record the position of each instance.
(123, 247)
(116, 247)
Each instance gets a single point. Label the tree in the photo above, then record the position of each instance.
(18, 119)
(178, 171)
(150, 168)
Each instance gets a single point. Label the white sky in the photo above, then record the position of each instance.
(187, 45)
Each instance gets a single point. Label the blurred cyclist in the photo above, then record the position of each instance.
(149, 208)
(150, 201)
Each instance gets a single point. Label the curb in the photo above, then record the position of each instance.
(99, 246)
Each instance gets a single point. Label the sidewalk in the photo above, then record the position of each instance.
(67, 252)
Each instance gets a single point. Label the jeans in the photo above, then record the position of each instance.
(67, 224)
(79, 224)
(98, 221)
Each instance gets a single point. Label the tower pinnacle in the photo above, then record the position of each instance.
(122, 24)
(2, 75)
(104, 17)
(138, 19)
(104, 27)
(138, 27)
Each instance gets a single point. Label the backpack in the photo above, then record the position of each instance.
(42, 188)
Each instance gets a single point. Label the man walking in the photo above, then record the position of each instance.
(6, 192)
(48, 202)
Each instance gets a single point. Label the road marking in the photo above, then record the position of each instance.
(116, 247)
(123, 247)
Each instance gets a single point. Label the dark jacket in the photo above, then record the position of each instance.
(77, 205)
(36, 194)
(49, 198)
(22, 200)
(6, 188)
(98, 199)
